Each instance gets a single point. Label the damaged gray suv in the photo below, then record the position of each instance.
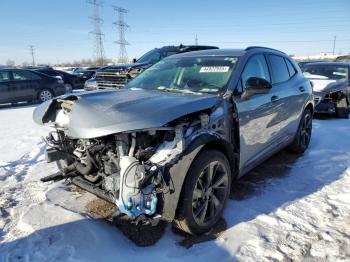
(170, 144)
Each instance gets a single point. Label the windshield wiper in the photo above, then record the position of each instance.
(177, 90)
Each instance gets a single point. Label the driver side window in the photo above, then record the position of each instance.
(255, 67)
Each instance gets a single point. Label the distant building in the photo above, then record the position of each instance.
(321, 56)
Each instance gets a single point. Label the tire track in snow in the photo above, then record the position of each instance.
(17, 193)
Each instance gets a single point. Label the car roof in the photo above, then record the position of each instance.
(228, 52)
(14, 68)
(329, 63)
(211, 52)
(184, 47)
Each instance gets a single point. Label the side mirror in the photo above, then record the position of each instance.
(134, 60)
(255, 85)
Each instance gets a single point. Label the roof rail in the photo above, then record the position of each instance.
(263, 47)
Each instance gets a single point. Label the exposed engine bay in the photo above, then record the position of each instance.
(126, 168)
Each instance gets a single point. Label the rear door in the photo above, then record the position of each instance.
(258, 128)
(5, 95)
(290, 89)
(22, 86)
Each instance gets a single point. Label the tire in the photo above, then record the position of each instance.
(303, 136)
(45, 95)
(342, 108)
(201, 205)
(69, 87)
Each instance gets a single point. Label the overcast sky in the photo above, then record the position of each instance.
(59, 30)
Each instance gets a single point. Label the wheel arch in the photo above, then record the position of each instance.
(310, 107)
(178, 172)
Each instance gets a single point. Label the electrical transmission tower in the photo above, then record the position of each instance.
(31, 49)
(121, 26)
(196, 40)
(96, 33)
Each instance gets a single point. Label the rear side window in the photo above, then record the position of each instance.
(4, 76)
(291, 68)
(280, 71)
(24, 75)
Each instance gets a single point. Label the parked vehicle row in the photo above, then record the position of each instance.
(118, 75)
(170, 144)
(71, 81)
(17, 85)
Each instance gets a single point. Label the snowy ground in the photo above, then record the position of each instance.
(289, 209)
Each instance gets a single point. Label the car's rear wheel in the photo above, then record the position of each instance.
(45, 95)
(342, 108)
(303, 136)
(205, 191)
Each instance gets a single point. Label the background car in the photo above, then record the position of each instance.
(17, 85)
(87, 73)
(331, 87)
(118, 75)
(71, 81)
(71, 70)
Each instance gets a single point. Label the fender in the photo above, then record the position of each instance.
(175, 174)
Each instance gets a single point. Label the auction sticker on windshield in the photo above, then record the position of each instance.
(214, 69)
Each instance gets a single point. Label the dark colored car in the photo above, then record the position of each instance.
(331, 85)
(169, 145)
(87, 73)
(18, 85)
(118, 75)
(343, 58)
(71, 81)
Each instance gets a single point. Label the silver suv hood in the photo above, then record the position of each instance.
(102, 113)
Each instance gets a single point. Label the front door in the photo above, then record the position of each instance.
(257, 115)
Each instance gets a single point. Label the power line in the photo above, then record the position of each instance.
(31, 49)
(97, 33)
(121, 26)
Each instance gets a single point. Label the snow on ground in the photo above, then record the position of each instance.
(288, 209)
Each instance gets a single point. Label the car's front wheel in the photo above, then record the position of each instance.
(205, 191)
(303, 135)
(45, 95)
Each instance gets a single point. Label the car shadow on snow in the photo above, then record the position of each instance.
(95, 240)
(287, 177)
(254, 182)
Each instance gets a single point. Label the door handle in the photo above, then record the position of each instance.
(274, 98)
(302, 89)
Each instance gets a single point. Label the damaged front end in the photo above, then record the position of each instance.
(129, 168)
(326, 102)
